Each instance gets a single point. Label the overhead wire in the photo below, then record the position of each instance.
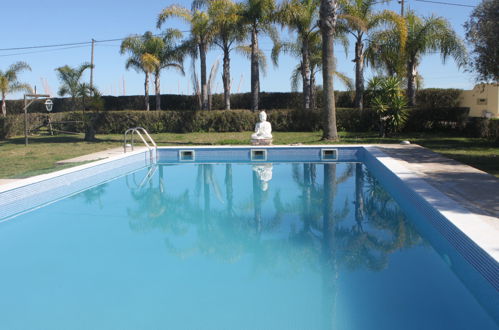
(71, 44)
(446, 3)
(44, 51)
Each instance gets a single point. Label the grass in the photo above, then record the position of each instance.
(43, 152)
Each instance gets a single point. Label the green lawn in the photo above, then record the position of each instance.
(43, 151)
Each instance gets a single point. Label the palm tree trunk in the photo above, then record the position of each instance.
(255, 70)
(305, 67)
(313, 94)
(157, 86)
(146, 91)
(411, 82)
(4, 105)
(359, 74)
(226, 78)
(328, 18)
(204, 86)
(359, 194)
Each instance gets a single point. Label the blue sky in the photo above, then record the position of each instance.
(32, 23)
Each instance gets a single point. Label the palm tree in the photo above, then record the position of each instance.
(144, 53)
(258, 16)
(10, 84)
(300, 16)
(360, 20)
(424, 36)
(314, 58)
(226, 22)
(170, 56)
(70, 81)
(201, 36)
(327, 23)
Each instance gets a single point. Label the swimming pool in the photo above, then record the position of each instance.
(210, 239)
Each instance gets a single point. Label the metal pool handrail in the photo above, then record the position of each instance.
(137, 130)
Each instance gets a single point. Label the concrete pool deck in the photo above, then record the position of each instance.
(474, 189)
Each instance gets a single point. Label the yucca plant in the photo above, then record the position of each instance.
(388, 100)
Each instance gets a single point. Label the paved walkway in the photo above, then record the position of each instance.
(474, 189)
(96, 156)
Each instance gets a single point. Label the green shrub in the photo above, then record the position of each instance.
(431, 119)
(483, 128)
(438, 98)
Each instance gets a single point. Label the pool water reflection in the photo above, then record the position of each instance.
(225, 246)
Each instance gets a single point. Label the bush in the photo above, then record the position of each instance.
(437, 98)
(483, 128)
(116, 122)
(431, 119)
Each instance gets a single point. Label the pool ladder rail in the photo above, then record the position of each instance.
(151, 145)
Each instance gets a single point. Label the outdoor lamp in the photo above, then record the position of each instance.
(49, 104)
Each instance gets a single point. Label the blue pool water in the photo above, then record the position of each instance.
(235, 246)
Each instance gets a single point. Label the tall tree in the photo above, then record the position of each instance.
(424, 35)
(171, 56)
(258, 15)
(10, 84)
(226, 22)
(482, 32)
(300, 16)
(327, 24)
(143, 56)
(360, 19)
(70, 79)
(201, 36)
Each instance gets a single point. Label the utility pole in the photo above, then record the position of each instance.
(92, 66)
(401, 7)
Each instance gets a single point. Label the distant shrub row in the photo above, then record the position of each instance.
(116, 122)
(426, 98)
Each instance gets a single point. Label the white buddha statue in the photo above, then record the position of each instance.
(263, 129)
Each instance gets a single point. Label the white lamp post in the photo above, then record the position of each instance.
(33, 97)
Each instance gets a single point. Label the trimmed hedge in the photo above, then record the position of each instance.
(426, 98)
(436, 119)
(483, 128)
(437, 98)
(116, 122)
(348, 119)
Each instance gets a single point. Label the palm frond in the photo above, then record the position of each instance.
(174, 11)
